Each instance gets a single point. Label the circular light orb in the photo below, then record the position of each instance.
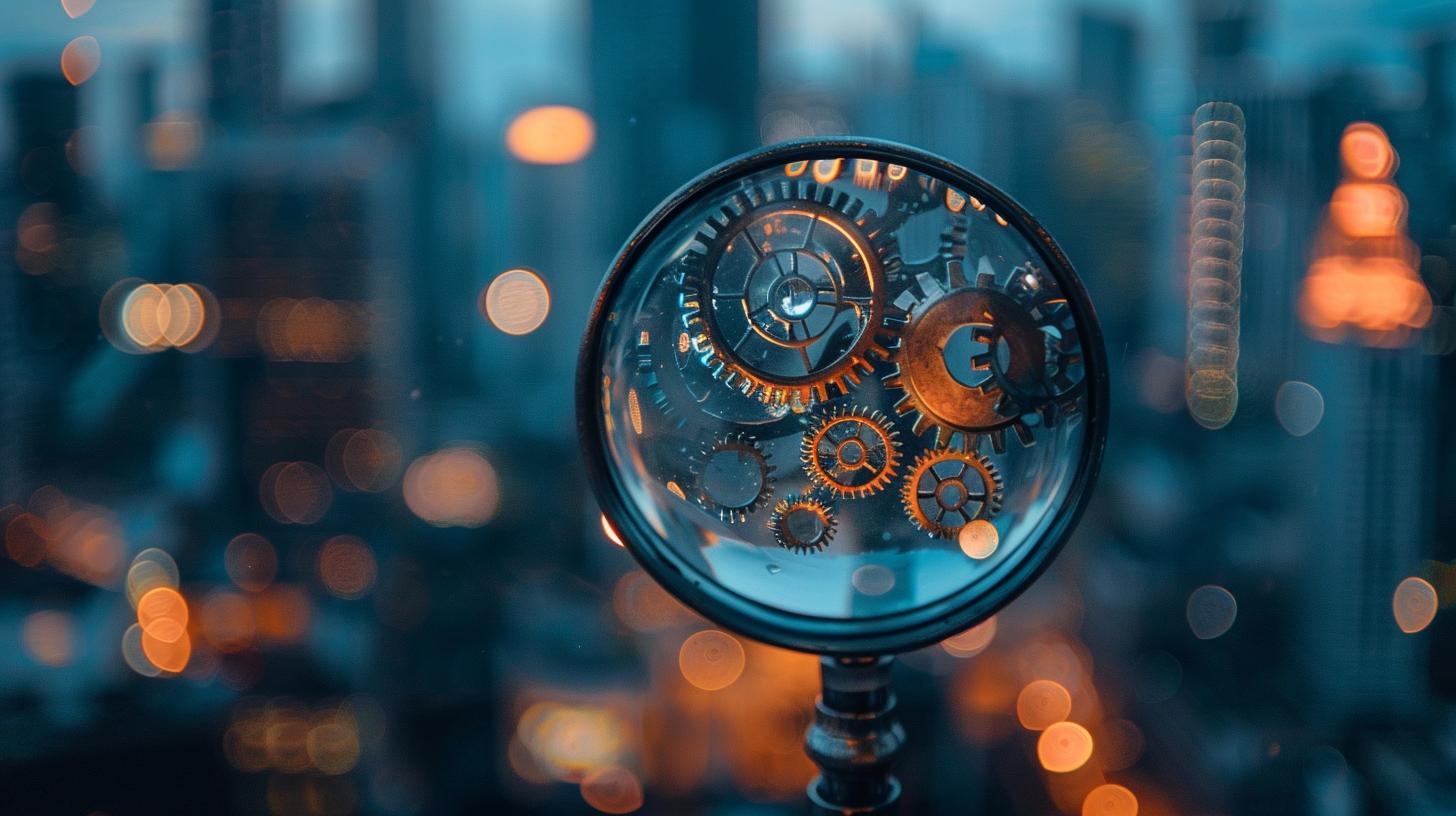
(1042, 704)
(551, 134)
(842, 396)
(1064, 747)
(711, 660)
(1110, 800)
(1211, 611)
(1299, 407)
(1415, 604)
(516, 302)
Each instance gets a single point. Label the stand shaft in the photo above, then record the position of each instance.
(855, 738)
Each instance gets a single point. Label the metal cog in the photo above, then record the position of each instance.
(935, 398)
(851, 452)
(1055, 390)
(783, 294)
(753, 462)
(936, 491)
(802, 523)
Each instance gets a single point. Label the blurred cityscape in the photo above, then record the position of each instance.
(293, 518)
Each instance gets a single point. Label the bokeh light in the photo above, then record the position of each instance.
(569, 741)
(1064, 747)
(251, 562)
(76, 8)
(49, 637)
(366, 460)
(872, 579)
(551, 134)
(1211, 611)
(142, 318)
(1299, 407)
(979, 539)
(151, 568)
(711, 659)
(1110, 800)
(1415, 604)
(971, 642)
(347, 567)
(612, 789)
(516, 301)
(453, 487)
(163, 614)
(295, 492)
(80, 59)
(1041, 704)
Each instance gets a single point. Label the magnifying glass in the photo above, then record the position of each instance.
(845, 397)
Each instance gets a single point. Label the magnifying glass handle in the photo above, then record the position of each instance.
(855, 738)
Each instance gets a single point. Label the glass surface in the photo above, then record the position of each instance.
(843, 388)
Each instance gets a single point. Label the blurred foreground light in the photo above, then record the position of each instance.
(1366, 152)
(169, 656)
(567, 742)
(80, 59)
(453, 487)
(1110, 800)
(366, 460)
(76, 8)
(1064, 747)
(150, 569)
(1211, 611)
(551, 134)
(173, 141)
(1042, 704)
(131, 652)
(1299, 407)
(971, 642)
(516, 302)
(333, 741)
(295, 492)
(612, 789)
(644, 606)
(711, 659)
(251, 562)
(1215, 264)
(48, 637)
(1414, 604)
(979, 539)
(347, 567)
(140, 318)
(163, 614)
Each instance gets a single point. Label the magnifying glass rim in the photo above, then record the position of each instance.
(883, 634)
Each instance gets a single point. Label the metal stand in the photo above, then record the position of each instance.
(855, 738)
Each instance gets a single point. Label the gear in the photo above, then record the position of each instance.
(783, 296)
(734, 477)
(946, 489)
(942, 399)
(801, 523)
(1054, 388)
(851, 453)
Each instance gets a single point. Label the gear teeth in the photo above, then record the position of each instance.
(914, 497)
(744, 444)
(829, 472)
(778, 523)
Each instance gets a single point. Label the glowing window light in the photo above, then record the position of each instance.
(612, 789)
(80, 59)
(1042, 704)
(551, 134)
(1110, 800)
(1064, 747)
(711, 660)
(971, 642)
(1211, 611)
(1215, 255)
(1414, 604)
(48, 637)
(76, 8)
(978, 539)
(516, 302)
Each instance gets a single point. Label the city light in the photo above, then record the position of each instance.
(251, 562)
(346, 566)
(295, 492)
(80, 59)
(711, 660)
(1064, 747)
(142, 318)
(452, 487)
(551, 134)
(516, 301)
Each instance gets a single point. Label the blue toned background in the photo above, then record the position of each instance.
(292, 512)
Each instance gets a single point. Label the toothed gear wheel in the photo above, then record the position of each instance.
(783, 294)
(1055, 387)
(939, 401)
(803, 524)
(733, 477)
(947, 489)
(851, 452)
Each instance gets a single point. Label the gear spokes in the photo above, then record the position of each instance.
(851, 452)
(947, 489)
(803, 524)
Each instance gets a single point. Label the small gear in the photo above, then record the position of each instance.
(734, 477)
(946, 489)
(1054, 388)
(783, 293)
(851, 452)
(802, 523)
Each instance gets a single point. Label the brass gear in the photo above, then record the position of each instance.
(851, 452)
(934, 397)
(783, 294)
(751, 457)
(802, 523)
(939, 500)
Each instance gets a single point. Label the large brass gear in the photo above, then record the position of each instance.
(783, 294)
(946, 489)
(851, 452)
(934, 397)
(803, 524)
(754, 464)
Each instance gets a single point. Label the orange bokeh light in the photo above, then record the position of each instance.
(169, 656)
(1368, 209)
(453, 487)
(1042, 704)
(711, 659)
(162, 613)
(80, 59)
(516, 301)
(1110, 800)
(76, 8)
(251, 562)
(551, 134)
(1064, 747)
(1415, 603)
(49, 637)
(1366, 152)
(612, 789)
(346, 566)
(971, 642)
